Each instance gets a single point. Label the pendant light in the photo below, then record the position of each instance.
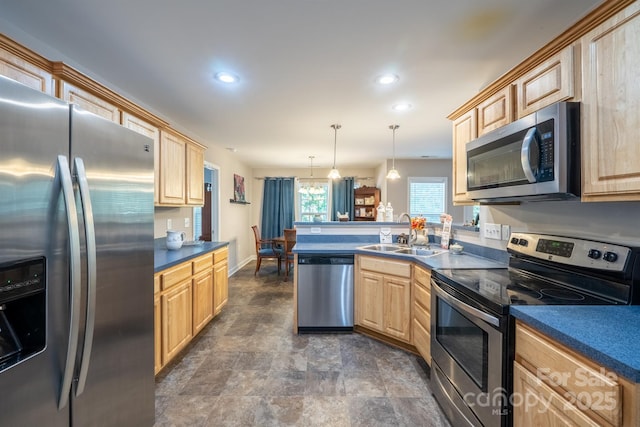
(311, 188)
(334, 174)
(393, 173)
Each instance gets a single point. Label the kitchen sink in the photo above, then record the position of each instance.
(404, 250)
(419, 251)
(382, 248)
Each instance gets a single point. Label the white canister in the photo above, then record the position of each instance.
(175, 239)
(380, 216)
(388, 213)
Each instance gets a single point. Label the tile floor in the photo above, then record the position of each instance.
(247, 368)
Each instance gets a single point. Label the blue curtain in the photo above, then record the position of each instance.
(278, 204)
(342, 198)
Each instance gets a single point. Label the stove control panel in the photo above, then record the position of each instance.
(570, 251)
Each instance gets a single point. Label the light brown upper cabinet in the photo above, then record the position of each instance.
(464, 130)
(496, 111)
(89, 102)
(611, 102)
(195, 174)
(18, 69)
(551, 81)
(147, 129)
(181, 171)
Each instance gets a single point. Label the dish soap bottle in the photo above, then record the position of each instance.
(380, 210)
(388, 213)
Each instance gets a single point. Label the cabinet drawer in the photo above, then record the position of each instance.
(422, 316)
(422, 341)
(385, 266)
(579, 380)
(422, 296)
(175, 275)
(202, 263)
(423, 276)
(220, 255)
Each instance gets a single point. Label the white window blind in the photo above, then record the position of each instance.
(427, 197)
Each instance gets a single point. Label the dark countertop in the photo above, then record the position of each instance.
(164, 258)
(606, 334)
(442, 260)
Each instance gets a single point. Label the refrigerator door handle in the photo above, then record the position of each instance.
(85, 198)
(64, 174)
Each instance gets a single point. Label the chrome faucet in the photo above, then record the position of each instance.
(413, 235)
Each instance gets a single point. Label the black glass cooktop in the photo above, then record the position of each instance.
(503, 287)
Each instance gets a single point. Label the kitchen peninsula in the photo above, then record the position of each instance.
(387, 283)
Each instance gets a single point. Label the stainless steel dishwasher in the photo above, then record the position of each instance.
(325, 293)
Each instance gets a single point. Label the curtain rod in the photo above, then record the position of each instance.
(262, 178)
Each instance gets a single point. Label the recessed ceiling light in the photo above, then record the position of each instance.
(232, 149)
(225, 77)
(387, 79)
(401, 107)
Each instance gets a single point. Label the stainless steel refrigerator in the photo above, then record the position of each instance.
(76, 266)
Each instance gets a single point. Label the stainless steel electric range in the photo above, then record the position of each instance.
(472, 340)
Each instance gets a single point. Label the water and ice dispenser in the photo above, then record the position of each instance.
(22, 310)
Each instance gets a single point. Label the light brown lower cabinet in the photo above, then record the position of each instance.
(220, 279)
(556, 386)
(186, 298)
(177, 321)
(383, 296)
(421, 324)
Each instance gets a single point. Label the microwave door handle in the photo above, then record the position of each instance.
(528, 143)
(87, 209)
(74, 279)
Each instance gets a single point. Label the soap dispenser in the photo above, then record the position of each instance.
(388, 213)
(380, 210)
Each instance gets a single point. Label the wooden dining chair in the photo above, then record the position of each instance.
(265, 249)
(289, 243)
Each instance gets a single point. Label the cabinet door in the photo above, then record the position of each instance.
(90, 102)
(176, 319)
(464, 130)
(28, 74)
(221, 285)
(536, 404)
(370, 300)
(172, 169)
(202, 300)
(551, 81)
(195, 175)
(397, 307)
(611, 101)
(157, 325)
(496, 111)
(147, 129)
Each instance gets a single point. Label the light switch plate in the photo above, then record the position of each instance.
(492, 231)
(506, 231)
(168, 224)
(187, 222)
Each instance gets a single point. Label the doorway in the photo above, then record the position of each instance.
(206, 219)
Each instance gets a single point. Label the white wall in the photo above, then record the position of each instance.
(615, 222)
(397, 191)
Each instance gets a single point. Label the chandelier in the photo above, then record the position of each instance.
(311, 188)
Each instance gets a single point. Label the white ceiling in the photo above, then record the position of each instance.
(303, 65)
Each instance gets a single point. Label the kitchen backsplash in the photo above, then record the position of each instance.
(177, 218)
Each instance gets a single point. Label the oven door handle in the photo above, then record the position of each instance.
(492, 320)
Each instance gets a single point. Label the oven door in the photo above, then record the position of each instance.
(468, 353)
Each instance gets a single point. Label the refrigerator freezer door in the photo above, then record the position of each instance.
(34, 130)
(120, 386)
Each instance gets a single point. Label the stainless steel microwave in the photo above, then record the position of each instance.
(534, 158)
